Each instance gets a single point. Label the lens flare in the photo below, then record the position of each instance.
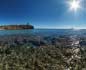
(74, 5)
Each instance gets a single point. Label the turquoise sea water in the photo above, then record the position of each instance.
(43, 32)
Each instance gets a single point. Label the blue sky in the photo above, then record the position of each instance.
(41, 13)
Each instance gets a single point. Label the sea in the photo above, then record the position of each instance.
(44, 32)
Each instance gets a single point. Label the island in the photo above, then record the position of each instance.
(16, 27)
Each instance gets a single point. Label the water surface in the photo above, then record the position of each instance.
(43, 32)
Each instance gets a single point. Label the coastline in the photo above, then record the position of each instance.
(36, 52)
(16, 27)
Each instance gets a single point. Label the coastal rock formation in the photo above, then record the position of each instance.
(16, 27)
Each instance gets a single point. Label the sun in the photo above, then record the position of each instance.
(74, 5)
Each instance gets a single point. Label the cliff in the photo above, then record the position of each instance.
(16, 27)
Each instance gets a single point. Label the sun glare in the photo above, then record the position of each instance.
(74, 5)
(76, 29)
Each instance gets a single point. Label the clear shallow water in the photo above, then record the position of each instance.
(43, 32)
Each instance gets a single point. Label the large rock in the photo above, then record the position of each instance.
(15, 27)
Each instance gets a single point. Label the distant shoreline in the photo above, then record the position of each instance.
(16, 27)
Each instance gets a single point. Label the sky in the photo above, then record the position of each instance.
(42, 13)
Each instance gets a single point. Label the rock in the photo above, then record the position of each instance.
(16, 27)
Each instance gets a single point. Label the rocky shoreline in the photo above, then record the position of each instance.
(16, 27)
(33, 52)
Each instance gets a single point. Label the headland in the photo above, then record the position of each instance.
(16, 27)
